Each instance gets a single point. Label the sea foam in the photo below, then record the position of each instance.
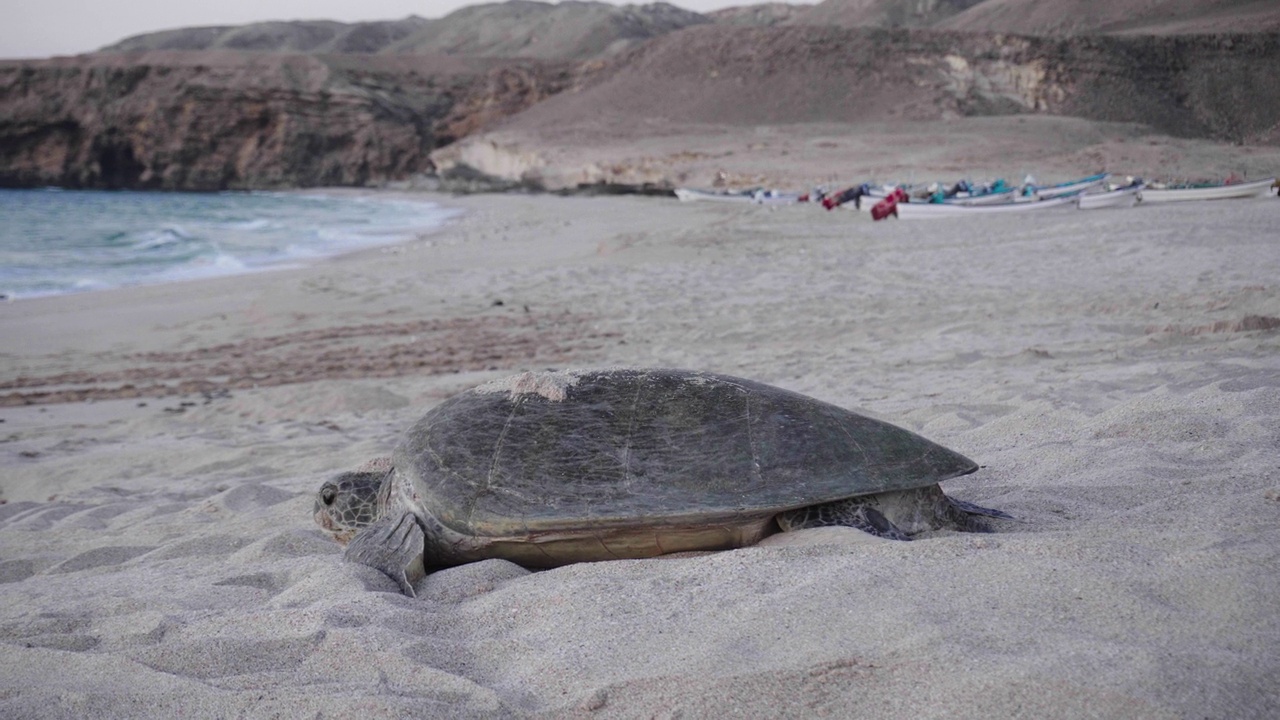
(58, 242)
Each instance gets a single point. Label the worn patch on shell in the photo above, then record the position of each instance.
(382, 464)
(553, 386)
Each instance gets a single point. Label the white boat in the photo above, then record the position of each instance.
(991, 198)
(950, 210)
(757, 197)
(1208, 192)
(866, 202)
(1074, 187)
(1120, 197)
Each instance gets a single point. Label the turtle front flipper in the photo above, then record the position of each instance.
(394, 545)
(846, 513)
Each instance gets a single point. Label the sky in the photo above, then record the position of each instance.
(43, 28)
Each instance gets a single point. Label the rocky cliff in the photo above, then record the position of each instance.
(211, 121)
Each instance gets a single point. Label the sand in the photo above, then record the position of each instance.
(559, 144)
(1116, 373)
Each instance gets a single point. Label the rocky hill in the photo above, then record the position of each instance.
(1147, 17)
(883, 13)
(571, 30)
(1220, 87)
(768, 86)
(298, 36)
(1059, 17)
(582, 30)
(762, 15)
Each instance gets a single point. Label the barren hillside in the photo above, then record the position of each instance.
(1059, 17)
(298, 36)
(762, 15)
(1217, 87)
(883, 13)
(572, 30)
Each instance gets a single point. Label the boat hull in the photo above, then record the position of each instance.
(1124, 197)
(1049, 192)
(759, 198)
(1214, 192)
(948, 210)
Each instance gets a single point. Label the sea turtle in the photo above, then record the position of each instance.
(550, 468)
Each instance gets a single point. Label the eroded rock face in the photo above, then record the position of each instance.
(212, 121)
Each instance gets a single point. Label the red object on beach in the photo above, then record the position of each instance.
(885, 208)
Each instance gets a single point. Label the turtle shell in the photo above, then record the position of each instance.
(598, 449)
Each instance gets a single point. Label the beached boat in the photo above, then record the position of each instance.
(868, 201)
(1120, 197)
(991, 198)
(1075, 187)
(1206, 192)
(758, 197)
(914, 210)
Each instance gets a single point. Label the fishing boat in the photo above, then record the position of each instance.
(757, 196)
(1075, 187)
(1120, 197)
(1219, 191)
(991, 198)
(915, 210)
(868, 201)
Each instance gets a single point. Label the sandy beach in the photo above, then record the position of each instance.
(1116, 373)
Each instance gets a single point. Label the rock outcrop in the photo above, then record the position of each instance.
(212, 121)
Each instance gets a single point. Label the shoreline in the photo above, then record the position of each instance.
(178, 274)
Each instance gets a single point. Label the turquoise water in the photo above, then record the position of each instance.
(54, 242)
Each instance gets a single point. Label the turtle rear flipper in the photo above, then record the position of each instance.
(393, 545)
(845, 513)
(979, 510)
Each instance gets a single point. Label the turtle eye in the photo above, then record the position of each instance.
(328, 494)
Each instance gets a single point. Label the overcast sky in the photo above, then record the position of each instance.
(42, 28)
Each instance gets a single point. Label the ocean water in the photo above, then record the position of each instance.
(54, 242)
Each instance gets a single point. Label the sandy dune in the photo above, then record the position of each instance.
(1116, 373)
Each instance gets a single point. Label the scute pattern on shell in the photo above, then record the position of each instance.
(617, 448)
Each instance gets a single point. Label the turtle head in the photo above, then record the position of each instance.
(348, 503)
